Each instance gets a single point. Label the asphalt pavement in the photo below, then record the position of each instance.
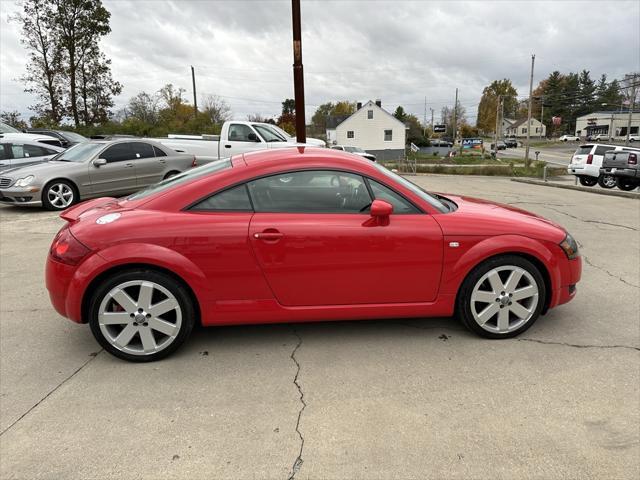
(419, 398)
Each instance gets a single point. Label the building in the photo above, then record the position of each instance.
(371, 128)
(519, 129)
(607, 121)
(506, 123)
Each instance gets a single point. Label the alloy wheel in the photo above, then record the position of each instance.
(140, 317)
(60, 195)
(504, 299)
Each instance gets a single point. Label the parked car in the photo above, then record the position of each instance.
(501, 145)
(68, 139)
(569, 138)
(356, 151)
(436, 142)
(623, 165)
(31, 137)
(235, 137)
(601, 137)
(587, 161)
(91, 169)
(300, 235)
(634, 138)
(21, 153)
(511, 142)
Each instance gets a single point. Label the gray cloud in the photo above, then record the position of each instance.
(397, 51)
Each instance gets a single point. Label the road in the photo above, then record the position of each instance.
(559, 153)
(416, 398)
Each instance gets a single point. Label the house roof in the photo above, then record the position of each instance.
(524, 120)
(334, 120)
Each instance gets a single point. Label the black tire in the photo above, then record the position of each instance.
(463, 301)
(173, 173)
(587, 181)
(607, 181)
(177, 289)
(46, 202)
(626, 184)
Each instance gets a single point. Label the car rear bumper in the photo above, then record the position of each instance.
(584, 170)
(620, 172)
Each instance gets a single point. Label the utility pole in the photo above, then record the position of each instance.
(527, 161)
(424, 119)
(195, 102)
(298, 74)
(455, 119)
(541, 115)
(633, 78)
(431, 119)
(495, 136)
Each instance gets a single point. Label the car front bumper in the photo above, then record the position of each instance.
(27, 196)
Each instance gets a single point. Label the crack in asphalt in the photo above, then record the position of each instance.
(597, 222)
(297, 464)
(575, 345)
(92, 357)
(590, 263)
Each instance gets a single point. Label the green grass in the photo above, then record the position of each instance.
(503, 170)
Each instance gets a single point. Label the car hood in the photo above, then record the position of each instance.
(475, 216)
(36, 169)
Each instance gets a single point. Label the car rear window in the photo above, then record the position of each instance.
(184, 177)
(584, 150)
(602, 149)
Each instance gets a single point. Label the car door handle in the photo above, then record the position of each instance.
(268, 236)
(128, 165)
(162, 161)
(227, 146)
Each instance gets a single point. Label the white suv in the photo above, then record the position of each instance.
(569, 138)
(586, 163)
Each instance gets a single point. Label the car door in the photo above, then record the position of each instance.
(22, 154)
(118, 175)
(149, 168)
(318, 245)
(241, 138)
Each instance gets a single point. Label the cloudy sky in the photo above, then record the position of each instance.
(399, 52)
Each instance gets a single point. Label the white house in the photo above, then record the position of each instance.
(519, 129)
(371, 128)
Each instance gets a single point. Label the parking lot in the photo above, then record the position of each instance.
(419, 398)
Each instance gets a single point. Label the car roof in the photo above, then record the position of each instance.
(31, 142)
(303, 155)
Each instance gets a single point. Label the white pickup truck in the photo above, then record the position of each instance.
(235, 137)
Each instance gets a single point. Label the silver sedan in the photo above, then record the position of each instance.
(91, 169)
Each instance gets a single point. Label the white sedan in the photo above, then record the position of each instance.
(569, 138)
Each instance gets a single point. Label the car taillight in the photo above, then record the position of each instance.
(67, 249)
(194, 163)
(632, 159)
(589, 159)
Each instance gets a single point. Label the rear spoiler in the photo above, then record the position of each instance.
(73, 213)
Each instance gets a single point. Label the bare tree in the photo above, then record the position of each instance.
(13, 118)
(144, 107)
(215, 108)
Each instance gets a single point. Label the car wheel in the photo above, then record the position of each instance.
(626, 185)
(59, 195)
(170, 174)
(502, 297)
(141, 315)
(588, 181)
(607, 181)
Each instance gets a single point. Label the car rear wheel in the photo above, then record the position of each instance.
(141, 315)
(59, 195)
(607, 181)
(588, 181)
(625, 184)
(502, 297)
(171, 174)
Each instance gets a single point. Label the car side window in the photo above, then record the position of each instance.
(54, 142)
(601, 150)
(142, 150)
(117, 153)
(17, 150)
(400, 204)
(313, 191)
(4, 152)
(234, 199)
(239, 132)
(158, 152)
(35, 151)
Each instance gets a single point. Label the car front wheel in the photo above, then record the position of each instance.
(502, 297)
(588, 181)
(141, 315)
(59, 195)
(607, 181)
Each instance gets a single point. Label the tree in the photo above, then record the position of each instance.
(489, 102)
(172, 96)
(287, 119)
(289, 107)
(96, 88)
(586, 100)
(319, 118)
(144, 107)
(44, 77)
(14, 119)
(400, 114)
(447, 116)
(216, 109)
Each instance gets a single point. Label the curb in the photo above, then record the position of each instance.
(610, 193)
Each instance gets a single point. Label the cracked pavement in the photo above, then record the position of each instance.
(418, 398)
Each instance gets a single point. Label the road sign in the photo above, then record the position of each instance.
(414, 147)
(439, 128)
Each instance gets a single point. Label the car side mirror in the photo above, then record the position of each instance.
(381, 209)
(253, 137)
(99, 162)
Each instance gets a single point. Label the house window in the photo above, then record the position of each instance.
(537, 129)
(369, 114)
(350, 134)
(524, 130)
(388, 135)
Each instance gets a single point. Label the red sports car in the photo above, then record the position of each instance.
(300, 235)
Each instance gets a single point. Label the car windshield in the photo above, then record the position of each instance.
(269, 134)
(192, 174)
(433, 201)
(4, 128)
(74, 137)
(354, 149)
(80, 152)
(282, 132)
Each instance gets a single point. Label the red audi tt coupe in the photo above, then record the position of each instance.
(300, 235)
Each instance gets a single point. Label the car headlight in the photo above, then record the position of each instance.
(570, 247)
(23, 182)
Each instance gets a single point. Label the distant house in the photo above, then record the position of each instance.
(371, 128)
(506, 123)
(519, 129)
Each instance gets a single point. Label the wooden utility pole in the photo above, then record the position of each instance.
(633, 79)
(298, 75)
(455, 119)
(495, 136)
(527, 161)
(195, 101)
